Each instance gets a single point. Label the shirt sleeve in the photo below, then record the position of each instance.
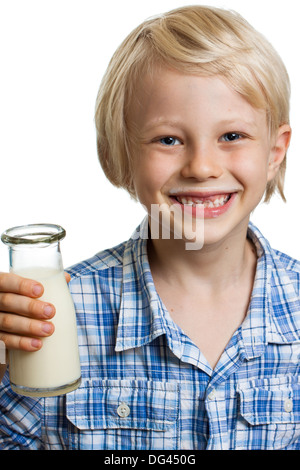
(20, 423)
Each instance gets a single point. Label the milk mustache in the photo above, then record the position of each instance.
(34, 253)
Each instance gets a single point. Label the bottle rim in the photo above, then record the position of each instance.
(33, 234)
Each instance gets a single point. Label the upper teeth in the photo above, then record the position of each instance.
(220, 201)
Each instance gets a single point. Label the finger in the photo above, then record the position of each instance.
(18, 325)
(26, 306)
(68, 277)
(10, 282)
(23, 343)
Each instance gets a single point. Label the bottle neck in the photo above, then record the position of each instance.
(26, 258)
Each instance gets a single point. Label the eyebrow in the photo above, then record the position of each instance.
(156, 123)
(238, 120)
(235, 121)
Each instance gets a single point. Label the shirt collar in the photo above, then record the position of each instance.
(141, 317)
(274, 311)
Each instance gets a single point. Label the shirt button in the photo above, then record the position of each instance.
(288, 405)
(212, 394)
(123, 410)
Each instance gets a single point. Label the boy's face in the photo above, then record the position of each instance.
(199, 142)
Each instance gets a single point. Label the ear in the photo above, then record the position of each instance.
(279, 149)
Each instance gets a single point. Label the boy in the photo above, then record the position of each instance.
(180, 348)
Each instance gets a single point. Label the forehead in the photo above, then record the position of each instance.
(168, 95)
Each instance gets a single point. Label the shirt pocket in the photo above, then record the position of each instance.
(123, 414)
(269, 414)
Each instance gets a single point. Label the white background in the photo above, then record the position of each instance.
(53, 56)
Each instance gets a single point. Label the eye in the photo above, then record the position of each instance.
(231, 137)
(169, 141)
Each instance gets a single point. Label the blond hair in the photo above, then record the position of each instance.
(197, 40)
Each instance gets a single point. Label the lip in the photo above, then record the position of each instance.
(203, 192)
(206, 212)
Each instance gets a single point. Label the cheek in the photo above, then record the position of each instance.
(148, 179)
(251, 168)
(150, 173)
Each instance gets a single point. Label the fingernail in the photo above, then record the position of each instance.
(48, 311)
(36, 343)
(47, 328)
(37, 289)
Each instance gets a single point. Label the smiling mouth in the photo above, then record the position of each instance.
(210, 201)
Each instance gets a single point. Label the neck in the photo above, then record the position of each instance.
(217, 266)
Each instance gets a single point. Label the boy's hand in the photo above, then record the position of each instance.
(22, 316)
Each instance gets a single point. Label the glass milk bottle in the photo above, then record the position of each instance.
(34, 252)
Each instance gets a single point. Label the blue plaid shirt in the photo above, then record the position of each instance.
(145, 385)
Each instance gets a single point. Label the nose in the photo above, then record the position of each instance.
(202, 162)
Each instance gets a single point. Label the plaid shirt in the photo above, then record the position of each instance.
(145, 385)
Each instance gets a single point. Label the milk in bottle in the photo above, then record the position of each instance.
(55, 368)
